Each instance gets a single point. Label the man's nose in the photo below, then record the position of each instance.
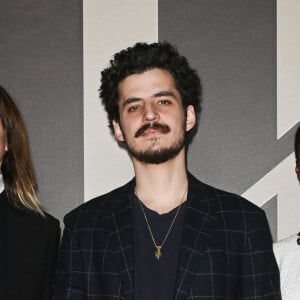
(150, 113)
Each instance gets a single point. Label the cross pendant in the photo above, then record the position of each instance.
(158, 252)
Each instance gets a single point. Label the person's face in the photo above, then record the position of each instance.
(152, 119)
(3, 142)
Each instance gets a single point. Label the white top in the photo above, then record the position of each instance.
(287, 253)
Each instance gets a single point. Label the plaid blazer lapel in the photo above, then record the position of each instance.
(119, 228)
(196, 232)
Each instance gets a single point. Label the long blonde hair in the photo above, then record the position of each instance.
(17, 168)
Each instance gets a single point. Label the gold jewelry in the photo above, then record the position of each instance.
(158, 252)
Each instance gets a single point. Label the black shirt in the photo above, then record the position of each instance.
(155, 279)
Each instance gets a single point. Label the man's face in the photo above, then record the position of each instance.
(152, 118)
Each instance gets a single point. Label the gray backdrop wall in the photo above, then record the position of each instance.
(41, 67)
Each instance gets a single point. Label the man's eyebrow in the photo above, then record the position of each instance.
(156, 95)
(164, 93)
(131, 100)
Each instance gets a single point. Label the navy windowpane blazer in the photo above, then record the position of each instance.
(226, 250)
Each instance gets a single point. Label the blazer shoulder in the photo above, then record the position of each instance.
(228, 209)
(97, 207)
(225, 199)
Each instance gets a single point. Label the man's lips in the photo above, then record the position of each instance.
(152, 128)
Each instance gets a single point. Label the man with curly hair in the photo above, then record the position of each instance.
(164, 235)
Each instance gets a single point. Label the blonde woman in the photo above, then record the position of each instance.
(29, 238)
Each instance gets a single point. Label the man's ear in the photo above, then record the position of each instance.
(118, 131)
(190, 117)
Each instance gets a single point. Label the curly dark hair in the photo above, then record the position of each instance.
(140, 58)
(297, 145)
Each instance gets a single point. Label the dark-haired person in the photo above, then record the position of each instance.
(164, 235)
(29, 238)
(287, 251)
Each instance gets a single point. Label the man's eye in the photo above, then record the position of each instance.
(164, 102)
(133, 108)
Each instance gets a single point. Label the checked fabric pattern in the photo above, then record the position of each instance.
(226, 250)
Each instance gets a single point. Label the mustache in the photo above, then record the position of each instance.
(163, 128)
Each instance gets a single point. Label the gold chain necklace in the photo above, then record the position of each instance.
(158, 251)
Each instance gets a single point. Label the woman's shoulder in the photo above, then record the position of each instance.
(36, 219)
(287, 250)
(292, 241)
(51, 221)
(20, 215)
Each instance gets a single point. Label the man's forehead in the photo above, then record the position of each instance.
(151, 83)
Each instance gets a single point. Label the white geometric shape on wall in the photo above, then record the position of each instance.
(108, 27)
(281, 182)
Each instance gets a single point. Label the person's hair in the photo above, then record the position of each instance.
(17, 168)
(143, 57)
(297, 145)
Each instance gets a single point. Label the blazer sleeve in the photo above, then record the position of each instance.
(52, 256)
(259, 275)
(69, 276)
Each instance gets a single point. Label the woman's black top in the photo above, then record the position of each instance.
(29, 252)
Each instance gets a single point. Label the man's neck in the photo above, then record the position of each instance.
(162, 187)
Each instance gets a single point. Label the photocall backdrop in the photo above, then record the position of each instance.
(245, 51)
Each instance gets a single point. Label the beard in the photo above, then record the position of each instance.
(156, 154)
